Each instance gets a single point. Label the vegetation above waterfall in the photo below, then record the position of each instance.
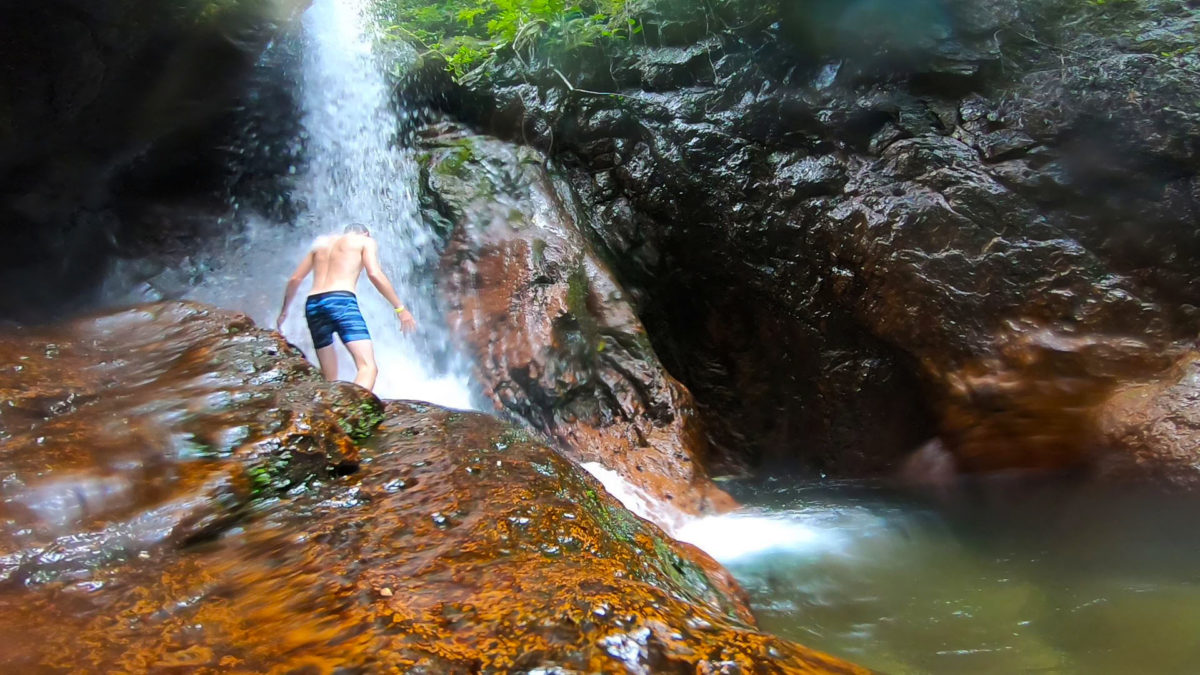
(472, 35)
(475, 36)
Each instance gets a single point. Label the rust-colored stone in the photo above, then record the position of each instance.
(462, 545)
(1150, 429)
(555, 338)
(1119, 408)
(152, 425)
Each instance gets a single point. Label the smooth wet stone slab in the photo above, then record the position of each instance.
(155, 426)
(459, 544)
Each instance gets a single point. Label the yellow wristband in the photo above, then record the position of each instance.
(401, 309)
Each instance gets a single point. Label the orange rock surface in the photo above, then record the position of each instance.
(555, 338)
(460, 544)
(1151, 429)
(1116, 407)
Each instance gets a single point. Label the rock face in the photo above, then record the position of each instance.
(156, 427)
(1151, 428)
(174, 498)
(115, 117)
(850, 227)
(555, 340)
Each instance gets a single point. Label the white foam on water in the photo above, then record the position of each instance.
(740, 535)
(637, 500)
(743, 534)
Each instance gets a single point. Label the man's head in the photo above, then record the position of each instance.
(357, 228)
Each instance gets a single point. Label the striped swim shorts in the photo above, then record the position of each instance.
(334, 312)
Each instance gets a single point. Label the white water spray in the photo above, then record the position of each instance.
(356, 171)
(744, 534)
(637, 500)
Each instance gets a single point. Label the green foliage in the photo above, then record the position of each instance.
(260, 480)
(472, 34)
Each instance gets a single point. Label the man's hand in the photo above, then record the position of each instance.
(407, 323)
(279, 321)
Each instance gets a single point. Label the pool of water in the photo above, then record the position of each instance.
(999, 576)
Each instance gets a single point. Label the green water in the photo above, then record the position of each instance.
(994, 577)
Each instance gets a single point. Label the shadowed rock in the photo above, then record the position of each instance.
(115, 120)
(853, 226)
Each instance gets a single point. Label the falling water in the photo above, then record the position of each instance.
(355, 169)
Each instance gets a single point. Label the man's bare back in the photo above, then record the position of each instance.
(336, 261)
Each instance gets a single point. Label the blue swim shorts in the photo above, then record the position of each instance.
(334, 312)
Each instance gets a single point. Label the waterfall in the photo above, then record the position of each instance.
(355, 168)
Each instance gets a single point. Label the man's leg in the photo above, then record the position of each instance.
(328, 360)
(364, 359)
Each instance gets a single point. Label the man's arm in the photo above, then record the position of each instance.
(293, 285)
(384, 286)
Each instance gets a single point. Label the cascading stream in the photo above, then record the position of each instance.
(355, 170)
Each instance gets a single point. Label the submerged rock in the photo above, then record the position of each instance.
(555, 336)
(460, 545)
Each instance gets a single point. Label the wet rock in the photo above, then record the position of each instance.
(673, 67)
(1149, 430)
(555, 337)
(1004, 144)
(1035, 404)
(496, 555)
(156, 426)
(859, 213)
(809, 177)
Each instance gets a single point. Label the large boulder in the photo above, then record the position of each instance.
(1151, 429)
(555, 340)
(176, 497)
(851, 227)
(155, 427)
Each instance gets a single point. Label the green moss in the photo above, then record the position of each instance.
(681, 571)
(688, 576)
(260, 480)
(452, 161)
(359, 421)
(578, 289)
(516, 218)
(539, 251)
(513, 436)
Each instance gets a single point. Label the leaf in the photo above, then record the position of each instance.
(468, 16)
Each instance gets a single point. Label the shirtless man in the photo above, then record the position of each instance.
(336, 261)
